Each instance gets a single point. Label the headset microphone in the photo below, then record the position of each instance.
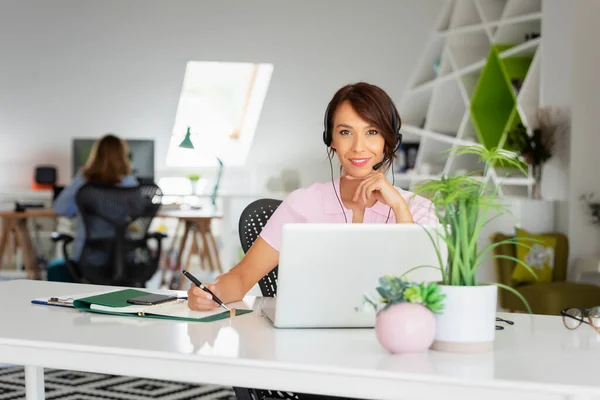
(378, 165)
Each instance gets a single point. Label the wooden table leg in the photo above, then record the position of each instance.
(195, 249)
(202, 226)
(215, 248)
(165, 266)
(203, 257)
(212, 249)
(176, 279)
(4, 237)
(13, 240)
(29, 254)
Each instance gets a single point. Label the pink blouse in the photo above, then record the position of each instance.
(318, 204)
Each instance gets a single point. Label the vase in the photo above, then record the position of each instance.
(405, 328)
(468, 322)
(537, 181)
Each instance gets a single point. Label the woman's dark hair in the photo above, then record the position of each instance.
(108, 161)
(373, 105)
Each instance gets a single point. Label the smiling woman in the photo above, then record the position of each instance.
(362, 129)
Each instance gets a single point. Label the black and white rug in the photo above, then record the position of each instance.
(75, 385)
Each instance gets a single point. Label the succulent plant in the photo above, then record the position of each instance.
(394, 290)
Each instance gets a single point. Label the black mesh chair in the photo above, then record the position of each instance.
(116, 249)
(252, 221)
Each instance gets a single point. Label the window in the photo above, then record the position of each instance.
(221, 104)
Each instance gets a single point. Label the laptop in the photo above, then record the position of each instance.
(325, 269)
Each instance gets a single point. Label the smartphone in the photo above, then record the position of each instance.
(151, 299)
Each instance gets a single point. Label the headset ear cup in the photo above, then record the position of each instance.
(326, 133)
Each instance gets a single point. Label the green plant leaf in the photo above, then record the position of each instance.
(500, 243)
(527, 267)
(462, 207)
(516, 293)
(419, 267)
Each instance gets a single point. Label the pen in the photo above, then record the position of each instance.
(201, 286)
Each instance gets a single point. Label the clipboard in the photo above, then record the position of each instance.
(67, 301)
(115, 303)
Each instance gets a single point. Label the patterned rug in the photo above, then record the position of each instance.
(75, 385)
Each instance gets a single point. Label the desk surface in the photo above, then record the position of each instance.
(203, 213)
(535, 358)
(45, 212)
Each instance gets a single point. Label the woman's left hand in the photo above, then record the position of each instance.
(377, 187)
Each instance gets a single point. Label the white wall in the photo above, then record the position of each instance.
(72, 68)
(555, 91)
(585, 140)
(570, 64)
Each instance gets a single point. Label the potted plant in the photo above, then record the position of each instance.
(405, 321)
(194, 178)
(462, 204)
(538, 148)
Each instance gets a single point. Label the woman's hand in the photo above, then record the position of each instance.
(199, 300)
(376, 187)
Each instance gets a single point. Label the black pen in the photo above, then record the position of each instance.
(196, 282)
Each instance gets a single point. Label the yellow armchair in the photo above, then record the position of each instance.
(543, 297)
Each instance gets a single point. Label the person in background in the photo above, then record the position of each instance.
(362, 128)
(107, 164)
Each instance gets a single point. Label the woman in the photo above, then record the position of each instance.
(108, 164)
(362, 128)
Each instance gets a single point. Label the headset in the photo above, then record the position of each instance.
(328, 137)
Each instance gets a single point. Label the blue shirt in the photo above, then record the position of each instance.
(65, 205)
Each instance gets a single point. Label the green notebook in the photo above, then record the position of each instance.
(115, 303)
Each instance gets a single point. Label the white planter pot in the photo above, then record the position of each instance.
(468, 322)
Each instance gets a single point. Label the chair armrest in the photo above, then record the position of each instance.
(65, 239)
(62, 237)
(156, 235)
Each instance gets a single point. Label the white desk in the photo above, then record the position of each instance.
(537, 358)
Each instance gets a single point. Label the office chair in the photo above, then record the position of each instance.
(252, 221)
(116, 221)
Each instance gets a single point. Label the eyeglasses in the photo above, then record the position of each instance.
(573, 317)
(498, 319)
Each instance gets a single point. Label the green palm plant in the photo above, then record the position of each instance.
(463, 204)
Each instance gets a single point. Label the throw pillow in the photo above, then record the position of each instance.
(537, 251)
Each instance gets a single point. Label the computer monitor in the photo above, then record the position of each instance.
(141, 156)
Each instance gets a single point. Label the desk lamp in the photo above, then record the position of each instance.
(187, 144)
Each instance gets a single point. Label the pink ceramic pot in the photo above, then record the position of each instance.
(405, 328)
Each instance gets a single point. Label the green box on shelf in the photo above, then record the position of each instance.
(494, 103)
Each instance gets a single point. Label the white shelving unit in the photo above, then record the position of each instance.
(436, 106)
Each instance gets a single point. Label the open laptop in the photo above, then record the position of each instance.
(325, 269)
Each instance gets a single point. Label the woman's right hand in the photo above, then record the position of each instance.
(232, 286)
(199, 300)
